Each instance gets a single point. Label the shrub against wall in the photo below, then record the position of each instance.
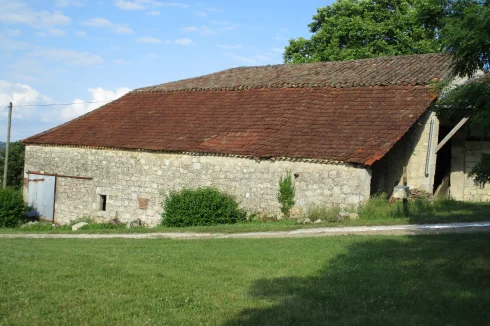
(12, 207)
(286, 194)
(201, 206)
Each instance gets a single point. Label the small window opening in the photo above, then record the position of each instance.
(102, 202)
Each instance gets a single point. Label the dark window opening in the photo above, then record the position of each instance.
(102, 202)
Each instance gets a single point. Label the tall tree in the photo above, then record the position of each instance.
(15, 173)
(463, 26)
(464, 29)
(356, 29)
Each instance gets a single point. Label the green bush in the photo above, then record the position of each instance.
(286, 194)
(378, 207)
(201, 206)
(12, 207)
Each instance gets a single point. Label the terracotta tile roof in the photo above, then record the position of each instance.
(355, 124)
(386, 71)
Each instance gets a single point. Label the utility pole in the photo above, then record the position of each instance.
(5, 168)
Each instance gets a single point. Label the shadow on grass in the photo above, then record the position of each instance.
(446, 210)
(409, 280)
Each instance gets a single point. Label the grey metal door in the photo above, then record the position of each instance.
(41, 195)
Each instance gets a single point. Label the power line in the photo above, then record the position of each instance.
(54, 104)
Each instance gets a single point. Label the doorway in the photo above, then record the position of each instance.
(41, 190)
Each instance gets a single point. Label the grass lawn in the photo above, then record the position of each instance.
(377, 212)
(345, 280)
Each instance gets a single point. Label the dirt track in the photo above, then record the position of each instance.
(301, 233)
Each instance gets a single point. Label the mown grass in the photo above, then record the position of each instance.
(346, 280)
(376, 211)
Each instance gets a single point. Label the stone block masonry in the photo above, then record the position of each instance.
(136, 183)
(474, 191)
(410, 151)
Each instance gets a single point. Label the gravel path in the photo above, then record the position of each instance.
(301, 233)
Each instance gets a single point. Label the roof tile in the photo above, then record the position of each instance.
(383, 71)
(356, 124)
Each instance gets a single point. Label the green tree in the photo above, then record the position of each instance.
(356, 29)
(15, 173)
(463, 27)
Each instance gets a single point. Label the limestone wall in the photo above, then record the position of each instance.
(410, 151)
(465, 154)
(136, 183)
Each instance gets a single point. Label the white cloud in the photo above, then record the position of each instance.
(281, 34)
(241, 59)
(149, 39)
(29, 69)
(68, 3)
(20, 13)
(278, 50)
(203, 30)
(30, 120)
(99, 95)
(230, 46)
(261, 57)
(153, 13)
(205, 12)
(146, 4)
(107, 24)
(228, 28)
(248, 60)
(69, 57)
(13, 32)
(55, 32)
(184, 41)
(180, 41)
(152, 55)
(121, 62)
(20, 94)
(7, 44)
(218, 22)
(81, 33)
(189, 29)
(214, 10)
(225, 26)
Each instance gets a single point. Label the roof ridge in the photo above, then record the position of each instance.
(347, 73)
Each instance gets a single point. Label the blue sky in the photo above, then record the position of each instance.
(65, 51)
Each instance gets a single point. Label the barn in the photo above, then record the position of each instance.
(344, 129)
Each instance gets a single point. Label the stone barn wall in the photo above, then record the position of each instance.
(465, 155)
(136, 183)
(410, 151)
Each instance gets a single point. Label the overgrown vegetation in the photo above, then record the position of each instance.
(12, 207)
(324, 213)
(201, 206)
(15, 173)
(286, 194)
(377, 211)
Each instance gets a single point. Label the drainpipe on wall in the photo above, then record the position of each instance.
(427, 159)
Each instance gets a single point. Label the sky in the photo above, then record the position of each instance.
(79, 51)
